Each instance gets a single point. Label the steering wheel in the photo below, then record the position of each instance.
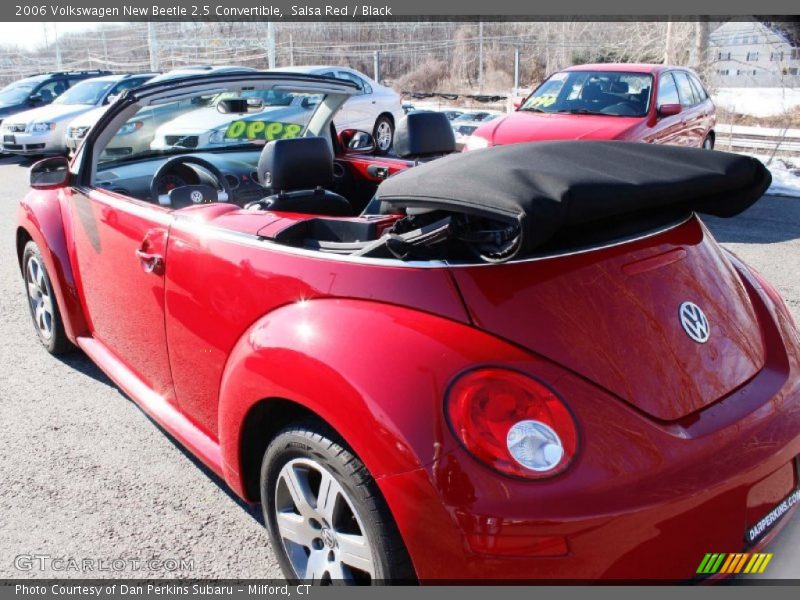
(187, 195)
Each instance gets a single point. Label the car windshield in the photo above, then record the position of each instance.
(86, 92)
(15, 93)
(235, 118)
(612, 93)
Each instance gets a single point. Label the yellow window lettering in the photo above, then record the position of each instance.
(273, 131)
(292, 130)
(255, 129)
(235, 130)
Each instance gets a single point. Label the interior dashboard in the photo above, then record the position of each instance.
(133, 179)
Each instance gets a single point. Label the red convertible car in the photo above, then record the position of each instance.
(528, 362)
(657, 104)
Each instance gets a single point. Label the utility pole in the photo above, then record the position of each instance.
(376, 66)
(271, 44)
(480, 56)
(105, 45)
(516, 71)
(701, 32)
(668, 44)
(152, 41)
(59, 66)
(291, 50)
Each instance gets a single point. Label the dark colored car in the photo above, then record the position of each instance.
(658, 104)
(39, 90)
(526, 362)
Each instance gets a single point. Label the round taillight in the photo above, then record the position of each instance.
(512, 423)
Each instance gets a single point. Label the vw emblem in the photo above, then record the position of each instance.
(694, 322)
(197, 197)
(328, 538)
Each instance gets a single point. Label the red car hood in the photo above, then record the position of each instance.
(613, 316)
(539, 127)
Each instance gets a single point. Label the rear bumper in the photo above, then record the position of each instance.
(643, 501)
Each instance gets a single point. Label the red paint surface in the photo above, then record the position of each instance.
(680, 444)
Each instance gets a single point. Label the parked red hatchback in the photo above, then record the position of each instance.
(658, 104)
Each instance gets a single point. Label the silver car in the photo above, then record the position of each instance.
(42, 130)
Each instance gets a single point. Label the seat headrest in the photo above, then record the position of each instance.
(296, 164)
(424, 132)
(619, 87)
(592, 91)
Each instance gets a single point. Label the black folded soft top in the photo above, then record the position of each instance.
(547, 187)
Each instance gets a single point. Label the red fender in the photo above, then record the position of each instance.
(375, 372)
(40, 215)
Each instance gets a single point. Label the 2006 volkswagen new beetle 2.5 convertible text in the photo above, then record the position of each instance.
(525, 362)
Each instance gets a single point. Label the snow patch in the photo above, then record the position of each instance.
(758, 102)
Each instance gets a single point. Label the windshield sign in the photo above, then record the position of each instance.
(239, 118)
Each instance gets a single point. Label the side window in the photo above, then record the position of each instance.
(355, 79)
(126, 84)
(667, 90)
(684, 89)
(699, 90)
(52, 90)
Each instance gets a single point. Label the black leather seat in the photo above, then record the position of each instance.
(296, 172)
(422, 136)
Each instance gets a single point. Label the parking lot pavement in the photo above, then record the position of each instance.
(87, 475)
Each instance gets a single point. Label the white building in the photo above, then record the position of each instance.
(751, 54)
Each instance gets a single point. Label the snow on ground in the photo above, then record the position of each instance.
(758, 102)
(785, 177)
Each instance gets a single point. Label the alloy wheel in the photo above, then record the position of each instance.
(384, 136)
(321, 532)
(40, 297)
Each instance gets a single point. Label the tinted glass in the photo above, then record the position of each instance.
(667, 90)
(685, 90)
(699, 90)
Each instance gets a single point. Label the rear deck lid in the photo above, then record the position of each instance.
(614, 316)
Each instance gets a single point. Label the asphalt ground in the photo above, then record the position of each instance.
(85, 474)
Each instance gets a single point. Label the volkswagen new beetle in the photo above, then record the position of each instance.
(524, 362)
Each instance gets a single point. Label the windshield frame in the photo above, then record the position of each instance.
(85, 164)
(588, 73)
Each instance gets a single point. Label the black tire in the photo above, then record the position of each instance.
(708, 142)
(317, 443)
(382, 124)
(57, 342)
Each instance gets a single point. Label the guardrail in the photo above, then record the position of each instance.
(759, 140)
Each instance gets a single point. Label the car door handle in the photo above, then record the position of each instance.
(151, 263)
(378, 171)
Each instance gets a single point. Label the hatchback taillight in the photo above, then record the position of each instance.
(512, 422)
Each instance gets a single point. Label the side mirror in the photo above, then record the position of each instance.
(34, 99)
(50, 173)
(668, 110)
(112, 98)
(517, 103)
(357, 142)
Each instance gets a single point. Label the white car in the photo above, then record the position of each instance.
(469, 121)
(135, 136)
(41, 130)
(375, 109)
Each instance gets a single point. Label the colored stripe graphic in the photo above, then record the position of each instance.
(731, 564)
